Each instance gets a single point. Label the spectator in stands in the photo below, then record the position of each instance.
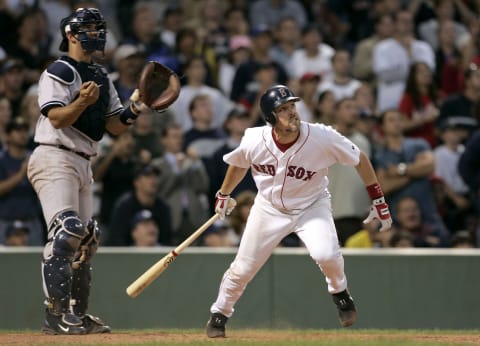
(30, 111)
(454, 194)
(5, 116)
(307, 91)
(464, 106)
(145, 230)
(262, 41)
(208, 27)
(145, 137)
(145, 34)
(470, 44)
(340, 81)
(369, 236)
(235, 21)
(404, 166)
(392, 59)
(265, 76)
(128, 61)
(239, 52)
(367, 125)
(235, 125)
(32, 43)
(189, 45)
(18, 200)
(350, 202)
(143, 196)
(12, 83)
(314, 56)
(409, 219)
(448, 60)
(287, 40)
(362, 66)
(444, 11)
(17, 234)
(462, 240)
(114, 170)
(469, 168)
(203, 138)
(184, 184)
(220, 234)
(325, 111)
(270, 12)
(172, 22)
(401, 239)
(195, 72)
(419, 104)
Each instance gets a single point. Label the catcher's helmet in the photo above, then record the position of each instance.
(79, 24)
(275, 96)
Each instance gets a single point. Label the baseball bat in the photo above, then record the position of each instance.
(158, 268)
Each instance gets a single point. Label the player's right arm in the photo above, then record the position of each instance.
(224, 204)
(232, 178)
(65, 116)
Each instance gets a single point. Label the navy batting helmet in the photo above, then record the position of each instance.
(274, 97)
(79, 23)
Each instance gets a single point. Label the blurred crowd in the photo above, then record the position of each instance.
(399, 78)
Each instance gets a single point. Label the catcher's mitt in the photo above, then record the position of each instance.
(158, 86)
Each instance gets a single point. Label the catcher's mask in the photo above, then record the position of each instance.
(88, 26)
(274, 97)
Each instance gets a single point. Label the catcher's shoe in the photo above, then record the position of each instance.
(94, 325)
(347, 314)
(65, 323)
(216, 325)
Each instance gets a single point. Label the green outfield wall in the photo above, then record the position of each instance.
(392, 289)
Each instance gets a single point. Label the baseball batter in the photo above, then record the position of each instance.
(78, 104)
(289, 162)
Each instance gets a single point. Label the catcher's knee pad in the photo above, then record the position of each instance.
(89, 244)
(66, 234)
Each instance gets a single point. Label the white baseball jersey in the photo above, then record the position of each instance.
(53, 91)
(293, 180)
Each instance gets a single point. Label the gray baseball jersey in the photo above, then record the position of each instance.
(62, 178)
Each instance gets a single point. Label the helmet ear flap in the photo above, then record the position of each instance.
(270, 118)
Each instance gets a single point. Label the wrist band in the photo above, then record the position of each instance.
(374, 191)
(128, 117)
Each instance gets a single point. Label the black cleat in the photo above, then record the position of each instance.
(347, 314)
(216, 325)
(94, 325)
(63, 324)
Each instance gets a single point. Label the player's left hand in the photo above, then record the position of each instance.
(224, 204)
(136, 104)
(379, 210)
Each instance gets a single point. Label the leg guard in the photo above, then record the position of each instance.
(82, 269)
(82, 276)
(65, 236)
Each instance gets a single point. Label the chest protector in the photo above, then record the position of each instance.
(92, 121)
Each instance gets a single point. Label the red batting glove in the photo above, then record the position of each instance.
(224, 204)
(379, 209)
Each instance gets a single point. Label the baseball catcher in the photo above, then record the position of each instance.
(78, 104)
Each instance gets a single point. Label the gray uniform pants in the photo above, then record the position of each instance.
(63, 181)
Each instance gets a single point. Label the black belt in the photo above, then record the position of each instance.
(79, 153)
